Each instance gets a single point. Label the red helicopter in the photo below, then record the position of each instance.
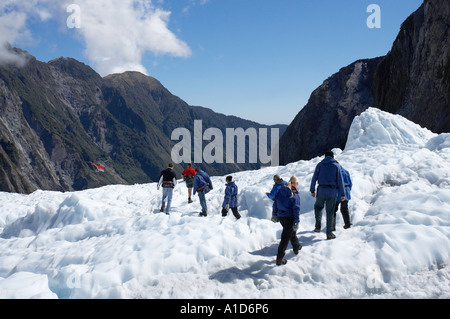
(98, 167)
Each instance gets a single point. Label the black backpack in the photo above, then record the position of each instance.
(189, 179)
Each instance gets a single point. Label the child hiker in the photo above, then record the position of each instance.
(230, 200)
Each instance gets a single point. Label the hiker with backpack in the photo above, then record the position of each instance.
(230, 200)
(188, 177)
(167, 180)
(202, 185)
(286, 210)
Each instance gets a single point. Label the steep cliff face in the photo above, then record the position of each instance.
(413, 79)
(324, 122)
(43, 144)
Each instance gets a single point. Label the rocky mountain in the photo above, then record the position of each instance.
(325, 121)
(413, 80)
(58, 118)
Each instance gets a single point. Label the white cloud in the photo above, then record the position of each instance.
(116, 33)
(12, 28)
(193, 3)
(14, 15)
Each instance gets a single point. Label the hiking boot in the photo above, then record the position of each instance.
(296, 250)
(162, 208)
(347, 227)
(281, 262)
(331, 236)
(203, 214)
(317, 229)
(190, 201)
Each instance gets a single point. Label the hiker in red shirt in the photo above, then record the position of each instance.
(188, 177)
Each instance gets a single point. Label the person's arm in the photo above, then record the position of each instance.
(340, 182)
(350, 181)
(160, 181)
(227, 198)
(312, 187)
(273, 192)
(195, 185)
(296, 209)
(275, 218)
(208, 180)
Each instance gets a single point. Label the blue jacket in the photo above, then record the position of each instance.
(202, 179)
(231, 193)
(287, 203)
(275, 189)
(347, 184)
(329, 176)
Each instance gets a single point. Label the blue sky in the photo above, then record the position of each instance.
(256, 59)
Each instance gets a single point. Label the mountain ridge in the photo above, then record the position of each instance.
(58, 117)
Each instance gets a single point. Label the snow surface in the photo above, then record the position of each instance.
(112, 242)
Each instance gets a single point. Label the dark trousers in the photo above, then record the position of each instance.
(287, 235)
(330, 203)
(234, 210)
(344, 211)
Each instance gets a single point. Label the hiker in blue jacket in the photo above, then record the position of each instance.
(202, 186)
(230, 199)
(278, 183)
(329, 176)
(344, 204)
(286, 210)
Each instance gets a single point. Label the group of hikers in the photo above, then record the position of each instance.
(334, 186)
(333, 190)
(197, 182)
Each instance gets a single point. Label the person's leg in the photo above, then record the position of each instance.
(318, 207)
(286, 235)
(330, 203)
(296, 246)
(336, 208)
(169, 199)
(202, 198)
(163, 200)
(345, 214)
(235, 212)
(224, 212)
